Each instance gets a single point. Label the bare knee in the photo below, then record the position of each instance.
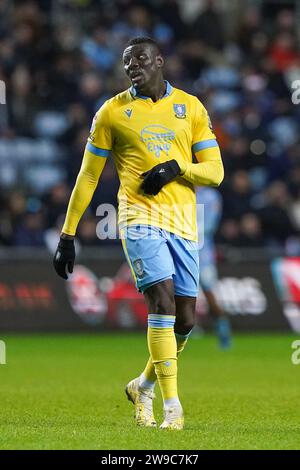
(185, 314)
(160, 298)
(183, 328)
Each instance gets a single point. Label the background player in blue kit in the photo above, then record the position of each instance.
(212, 201)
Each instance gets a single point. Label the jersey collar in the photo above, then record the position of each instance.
(135, 94)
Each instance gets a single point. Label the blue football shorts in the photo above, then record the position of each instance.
(155, 255)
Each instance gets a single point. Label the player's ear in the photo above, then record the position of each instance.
(159, 61)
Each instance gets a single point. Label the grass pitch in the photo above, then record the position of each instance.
(67, 392)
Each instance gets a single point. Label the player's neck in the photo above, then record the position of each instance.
(154, 91)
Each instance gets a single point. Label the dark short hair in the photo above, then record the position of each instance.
(143, 40)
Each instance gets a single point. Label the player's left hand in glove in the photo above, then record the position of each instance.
(158, 176)
(64, 257)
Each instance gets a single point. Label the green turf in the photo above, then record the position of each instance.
(66, 392)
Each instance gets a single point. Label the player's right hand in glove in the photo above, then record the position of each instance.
(64, 257)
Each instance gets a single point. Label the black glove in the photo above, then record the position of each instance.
(64, 257)
(159, 175)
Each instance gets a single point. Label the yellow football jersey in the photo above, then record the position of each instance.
(140, 134)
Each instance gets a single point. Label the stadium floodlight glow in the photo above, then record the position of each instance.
(258, 147)
(2, 353)
(2, 92)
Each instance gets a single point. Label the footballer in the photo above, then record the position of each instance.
(152, 130)
(211, 199)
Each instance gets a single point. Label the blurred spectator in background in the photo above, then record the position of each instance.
(274, 215)
(250, 231)
(237, 198)
(30, 229)
(229, 234)
(87, 231)
(56, 202)
(60, 61)
(208, 27)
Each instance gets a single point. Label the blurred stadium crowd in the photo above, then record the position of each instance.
(60, 60)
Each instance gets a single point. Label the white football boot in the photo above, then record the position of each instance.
(173, 418)
(142, 398)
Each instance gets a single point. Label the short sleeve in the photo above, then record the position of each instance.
(203, 135)
(100, 138)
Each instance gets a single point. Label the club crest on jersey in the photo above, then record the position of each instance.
(128, 112)
(180, 110)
